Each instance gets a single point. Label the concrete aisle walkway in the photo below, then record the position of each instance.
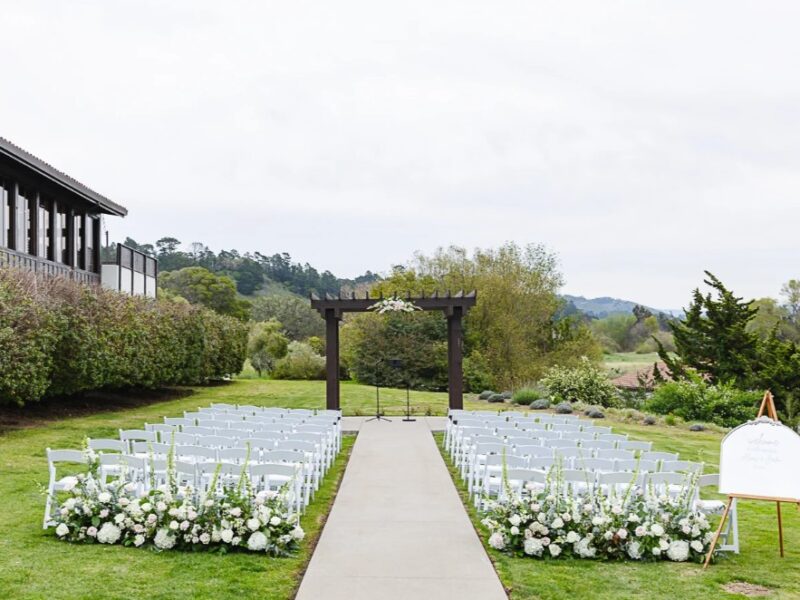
(398, 529)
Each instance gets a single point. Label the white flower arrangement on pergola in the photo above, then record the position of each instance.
(395, 304)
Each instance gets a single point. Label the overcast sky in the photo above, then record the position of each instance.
(641, 141)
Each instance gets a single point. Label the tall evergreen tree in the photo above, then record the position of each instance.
(714, 338)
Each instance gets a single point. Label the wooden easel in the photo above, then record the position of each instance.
(768, 406)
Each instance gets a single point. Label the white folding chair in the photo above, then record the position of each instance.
(635, 445)
(615, 454)
(136, 435)
(730, 535)
(276, 477)
(56, 484)
(637, 465)
(102, 445)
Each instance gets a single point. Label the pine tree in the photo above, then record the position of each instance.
(713, 337)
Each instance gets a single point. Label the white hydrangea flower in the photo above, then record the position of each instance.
(91, 531)
(205, 538)
(257, 541)
(108, 533)
(275, 521)
(514, 530)
(174, 525)
(554, 549)
(697, 545)
(297, 533)
(62, 530)
(164, 539)
(104, 497)
(68, 483)
(226, 535)
(678, 551)
(635, 550)
(138, 540)
(253, 524)
(533, 546)
(573, 537)
(496, 541)
(557, 523)
(515, 520)
(657, 530)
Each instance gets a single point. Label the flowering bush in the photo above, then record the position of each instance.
(393, 305)
(584, 382)
(176, 517)
(642, 526)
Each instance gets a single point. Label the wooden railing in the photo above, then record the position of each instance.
(20, 260)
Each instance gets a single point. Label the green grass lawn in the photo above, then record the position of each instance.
(35, 565)
(759, 562)
(620, 363)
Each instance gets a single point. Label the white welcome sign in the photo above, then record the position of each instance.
(761, 459)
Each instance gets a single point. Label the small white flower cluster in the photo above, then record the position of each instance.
(640, 526)
(172, 517)
(394, 305)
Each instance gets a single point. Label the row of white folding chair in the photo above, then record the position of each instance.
(576, 482)
(197, 467)
(491, 464)
(552, 442)
(212, 436)
(141, 442)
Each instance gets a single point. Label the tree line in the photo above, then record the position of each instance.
(250, 271)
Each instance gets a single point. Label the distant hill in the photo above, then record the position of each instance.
(606, 306)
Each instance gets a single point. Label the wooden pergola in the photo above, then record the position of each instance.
(454, 307)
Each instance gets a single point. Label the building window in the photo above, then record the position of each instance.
(21, 226)
(45, 239)
(62, 233)
(91, 265)
(28, 207)
(6, 224)
(80, 243)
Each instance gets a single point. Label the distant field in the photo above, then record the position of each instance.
(625, 362)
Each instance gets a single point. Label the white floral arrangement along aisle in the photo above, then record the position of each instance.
(176, 517)
(639, 525)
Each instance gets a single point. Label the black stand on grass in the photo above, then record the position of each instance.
(378, 416)
(408, 403)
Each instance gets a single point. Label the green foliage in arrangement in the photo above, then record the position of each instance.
(693, 399)
(301, 362)
(266, 346)
(201, 286)
(584, 382)
(58, 337)
(299, 320)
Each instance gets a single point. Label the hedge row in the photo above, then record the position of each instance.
(58, 337)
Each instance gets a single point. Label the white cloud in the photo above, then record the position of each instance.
(643, 142)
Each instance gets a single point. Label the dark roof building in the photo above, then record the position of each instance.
(50, 223)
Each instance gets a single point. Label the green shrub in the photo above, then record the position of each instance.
(695, 400)
(477, 375)
(526, 395)
(301, 362)
(582, 383)
(58, 337)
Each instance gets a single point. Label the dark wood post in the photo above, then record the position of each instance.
(455, 373)
(332, 359)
